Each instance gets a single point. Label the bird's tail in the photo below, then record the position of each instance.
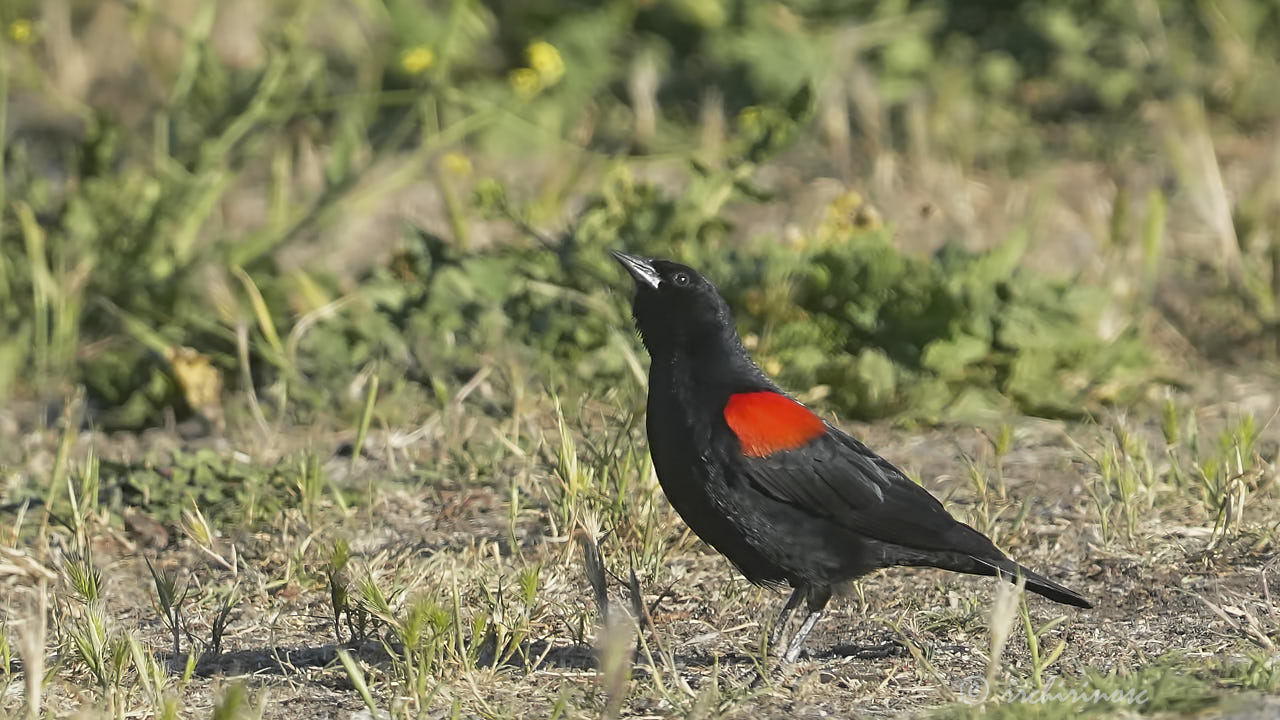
(1010, 570)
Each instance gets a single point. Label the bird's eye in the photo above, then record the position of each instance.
(681, 279)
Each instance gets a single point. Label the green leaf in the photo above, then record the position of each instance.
(949, 358)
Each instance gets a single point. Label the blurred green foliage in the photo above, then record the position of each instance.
(875, 331)
(226, 492)
(958, 335)
(120, 242)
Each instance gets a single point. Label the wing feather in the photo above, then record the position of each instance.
(838, 478)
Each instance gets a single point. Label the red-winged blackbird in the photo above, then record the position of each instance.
(787, 497)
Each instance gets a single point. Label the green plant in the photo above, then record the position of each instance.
(6, 656)
(1040, 660)
(227, 601)
(511, 614)
(1259, 672)
(1228, 474)
(155, 679)
(423, 635)
(341, 604)
(366, 415)
(101, 650)
(168, 603)
(311, 482)
(84, 577)
(206, 492)
(963, 333)
(1221, 476)
(576, 483)
(1124, 488)
(230, 706)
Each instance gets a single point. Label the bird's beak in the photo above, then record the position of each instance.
(641, 270)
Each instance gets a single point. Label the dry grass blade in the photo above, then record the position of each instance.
(261, 312)
(1004, 613)
(17, 565)
(32, 638)
(615, 648)
(366, 416)
(356, 675)
(1240, 619)
(593, 565)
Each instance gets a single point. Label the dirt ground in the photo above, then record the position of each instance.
(1177, 601)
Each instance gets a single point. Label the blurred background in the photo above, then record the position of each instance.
(307, 308)
(236, 211)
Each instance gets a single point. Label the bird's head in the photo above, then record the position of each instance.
(675, 306)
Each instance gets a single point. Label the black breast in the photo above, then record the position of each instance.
(695, 492)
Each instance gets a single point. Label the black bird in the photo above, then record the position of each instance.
(786, 497)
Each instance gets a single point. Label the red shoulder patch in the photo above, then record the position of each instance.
(766, 422)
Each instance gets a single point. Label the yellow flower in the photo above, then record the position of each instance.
(417, 60)
(867, 218)
(749, 117)
(525, 82)
(846, 203)
(20, 31)
(456, 163)
(545, 60)
(200, 381)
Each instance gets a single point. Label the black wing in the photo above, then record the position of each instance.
(840, 479)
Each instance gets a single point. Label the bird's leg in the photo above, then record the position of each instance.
(780, 625)
(818, 598)
(797, 642)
